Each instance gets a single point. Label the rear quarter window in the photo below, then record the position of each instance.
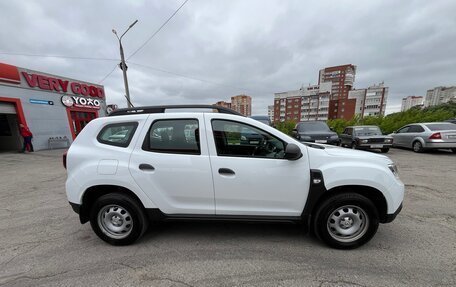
(118, 134)
(441, 127)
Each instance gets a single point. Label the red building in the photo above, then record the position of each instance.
(342, 79)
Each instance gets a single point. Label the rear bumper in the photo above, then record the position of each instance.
(439, 145)
(391, 217)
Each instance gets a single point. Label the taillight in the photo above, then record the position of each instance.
(435, 136)
(64, 159)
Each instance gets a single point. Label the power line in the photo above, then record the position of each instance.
(194, 78)
(58, 56)
(158, 30)
(109, 74)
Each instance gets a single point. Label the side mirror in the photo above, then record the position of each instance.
(292, 152)
(294, 132)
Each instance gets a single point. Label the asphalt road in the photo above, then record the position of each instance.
(42, 242)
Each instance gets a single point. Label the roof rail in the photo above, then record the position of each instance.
(162, 109)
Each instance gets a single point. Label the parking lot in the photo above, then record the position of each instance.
(43, 243)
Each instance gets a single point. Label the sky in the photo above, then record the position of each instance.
(212, 50)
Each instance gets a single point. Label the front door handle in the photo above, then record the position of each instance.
(226, 171)
(146, 167)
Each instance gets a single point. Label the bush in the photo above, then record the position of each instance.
(393, 122)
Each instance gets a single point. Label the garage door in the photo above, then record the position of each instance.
(7, 108)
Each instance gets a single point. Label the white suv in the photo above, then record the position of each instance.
(150, 164)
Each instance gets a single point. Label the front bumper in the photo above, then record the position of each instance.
(76, 207)
(391, 217)
(330, 141)
(374, 145)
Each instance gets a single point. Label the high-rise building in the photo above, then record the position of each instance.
(342, 79)
(411, 101)
(306, 104)
(440, 95)
(368, 102)
(242, 104)
(271, 113)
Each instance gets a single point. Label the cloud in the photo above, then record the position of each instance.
(251, 47)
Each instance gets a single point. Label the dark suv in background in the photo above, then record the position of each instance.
(264, 119)
(315, 131)
(365, 137)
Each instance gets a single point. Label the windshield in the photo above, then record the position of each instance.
(441, 127)
(367, 131)
(313, 127)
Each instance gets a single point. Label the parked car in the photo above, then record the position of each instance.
(424, 136)
(365, 137)
(264, 119)
(193, 166)
(315, 131)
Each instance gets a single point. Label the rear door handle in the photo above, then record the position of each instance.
(146, 167)
(226, 171)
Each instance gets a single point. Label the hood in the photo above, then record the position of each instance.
(352, 153)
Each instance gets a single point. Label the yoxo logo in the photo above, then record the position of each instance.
(80, 102)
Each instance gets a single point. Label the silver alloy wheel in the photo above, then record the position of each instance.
(348, 223)
(115, 221)
(417, 146)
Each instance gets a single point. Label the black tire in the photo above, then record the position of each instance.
(353, 145)
(417, 146)
(361, 212)
(126, 212)
(385, 149)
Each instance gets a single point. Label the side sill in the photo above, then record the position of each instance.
(154, 214)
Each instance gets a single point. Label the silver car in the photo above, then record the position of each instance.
(423, 136)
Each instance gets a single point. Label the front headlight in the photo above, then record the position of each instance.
(393, 169)
(243, 138)
(388, 140)
(334, 137)
(364, 141)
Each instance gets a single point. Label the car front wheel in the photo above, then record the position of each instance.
(346, 221)
(118, 219)
(385, 149)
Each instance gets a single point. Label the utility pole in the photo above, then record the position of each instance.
(123, 66)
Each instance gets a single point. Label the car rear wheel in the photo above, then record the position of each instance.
(385, 149)
(346, 221)
(417, 146)
(118, 219)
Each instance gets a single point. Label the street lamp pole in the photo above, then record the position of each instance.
(123, 66)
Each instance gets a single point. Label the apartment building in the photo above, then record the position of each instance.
(410, 102)
(306, 104)
(342, 78)
(369, 102)
(242, 104)
(440, 95)
(271, 113)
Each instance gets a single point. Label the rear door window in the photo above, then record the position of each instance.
(119, 134)
(173, 136)
(415, 129)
